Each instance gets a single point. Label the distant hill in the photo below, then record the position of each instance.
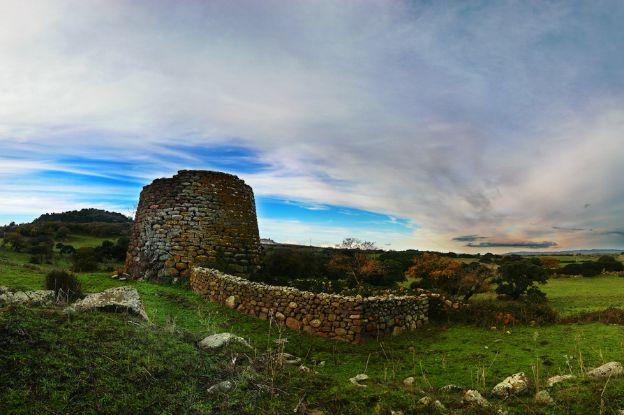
(84, 216)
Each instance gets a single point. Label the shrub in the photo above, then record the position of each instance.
(42, 250)
(64, 284)
(85, 259)
(609, 263)
(518, 277)
(605, 263)
(494, 313)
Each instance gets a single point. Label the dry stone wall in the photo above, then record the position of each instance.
(196, 217)
(353, 319)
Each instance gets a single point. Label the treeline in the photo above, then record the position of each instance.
(61, 230)
(605, 263)
(334, 269)
(44, 250)
(84, 216)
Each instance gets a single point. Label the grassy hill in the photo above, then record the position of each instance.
(84, 216)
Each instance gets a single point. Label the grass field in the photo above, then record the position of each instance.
(107, 353)
(572, 296)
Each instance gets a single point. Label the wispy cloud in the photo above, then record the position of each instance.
(520, 244)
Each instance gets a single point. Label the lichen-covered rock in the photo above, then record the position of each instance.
(359, 378)
(31, 298)
(608, 370)
(439, 407)
(451, 389)
(473, 398)
(557, 379)
(544, 398)
(220, 387)
(220, 340)
(513, 385)
(118, 299)
(425, 401)
(289, 359)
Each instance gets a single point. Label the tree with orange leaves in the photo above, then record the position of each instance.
(455, 278)
(353, 258)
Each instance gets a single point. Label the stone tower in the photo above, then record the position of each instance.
(196, 217)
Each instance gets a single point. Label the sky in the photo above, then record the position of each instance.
(482, 126)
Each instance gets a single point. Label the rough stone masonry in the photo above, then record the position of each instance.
(196, 217)
(352, 319)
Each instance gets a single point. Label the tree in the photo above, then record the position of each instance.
(550, 263)
(85, 259)
(352, 258)
(42, 250)
(455, 278)
(16, 240)
(609, 263)
(518, 277)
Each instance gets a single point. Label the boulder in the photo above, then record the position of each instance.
(31, 298)
(219, 340)
(439, 406)
(359, 378)
(473, 398)
(289, 359)
(543, 398)
(220, 387)
(558, 378)
(512, 385)
(425, 401)
(451, 389)
(608, 370)
(231, 301)
(118, 299)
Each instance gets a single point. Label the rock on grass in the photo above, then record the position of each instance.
(219, 340)
(511, 386)
(608, 370)
(118, 299)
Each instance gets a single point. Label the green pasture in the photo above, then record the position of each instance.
(435, 355)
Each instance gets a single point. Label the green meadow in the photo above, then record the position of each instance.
(115, 363)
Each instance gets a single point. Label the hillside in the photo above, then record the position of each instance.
(84, 216)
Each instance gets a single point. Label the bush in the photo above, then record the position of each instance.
(64, 284)
(85, 259)
(492, 313)
(610, 264)
(605, 263)
(518, 277)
